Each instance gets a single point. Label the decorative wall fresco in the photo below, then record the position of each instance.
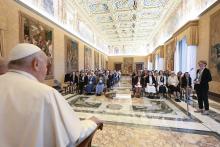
(187, 10)
(170, 48)
(48, 6)
(86, 31)
(96, 59)
(71, 55)
(102, 61)
(128, 65)
(34, 32)
(214, 60)
(87, 58)
(66, 14)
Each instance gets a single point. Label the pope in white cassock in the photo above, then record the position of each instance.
(33, 114)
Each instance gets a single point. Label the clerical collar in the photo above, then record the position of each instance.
(26, 74)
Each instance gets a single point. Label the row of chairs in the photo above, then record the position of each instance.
(185, 93)
(66, 88)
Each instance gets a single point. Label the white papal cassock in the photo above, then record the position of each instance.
(33, 114)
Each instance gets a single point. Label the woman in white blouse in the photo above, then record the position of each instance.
(173, 83)
(150, 84)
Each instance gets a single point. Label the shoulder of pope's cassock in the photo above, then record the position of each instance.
(34, 114)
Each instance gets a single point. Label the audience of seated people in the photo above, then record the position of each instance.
(162, 82)
(93, 82)
(151, 82)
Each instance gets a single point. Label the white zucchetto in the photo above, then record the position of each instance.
(22, 50)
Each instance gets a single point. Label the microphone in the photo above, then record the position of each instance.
(191, 69)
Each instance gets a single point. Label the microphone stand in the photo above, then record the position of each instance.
(187, 95)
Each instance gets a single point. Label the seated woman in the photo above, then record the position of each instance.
(138, 84)
(150, 84)
(82, 81)
(90, 87)
(186, 83)
(100, 86)
(179, 77)
(161, 81)
(173, 85)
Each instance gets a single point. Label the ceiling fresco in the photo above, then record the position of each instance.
(121, 27)
(127, 25)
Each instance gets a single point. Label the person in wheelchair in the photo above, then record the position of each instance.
(186, 84)
(161, 84)
(150, 84)
(138, 85)
(173, 85)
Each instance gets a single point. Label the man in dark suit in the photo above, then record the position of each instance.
(203, 77)
(82, 82)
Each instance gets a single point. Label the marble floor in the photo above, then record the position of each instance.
(143, 122)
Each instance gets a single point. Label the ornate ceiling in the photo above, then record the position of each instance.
(127, 25)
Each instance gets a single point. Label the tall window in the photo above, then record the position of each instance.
(149, 65)
(157, 64)
(185, 57)
(181, 56)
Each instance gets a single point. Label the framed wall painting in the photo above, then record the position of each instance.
(214, 57)
(87, 58)
(71, 55)
(37, 33)
(96, 60)
(128, 65)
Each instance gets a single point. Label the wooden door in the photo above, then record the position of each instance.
(118, 66)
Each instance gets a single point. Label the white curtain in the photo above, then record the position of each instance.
(150, 65)
(176, 59)
(156, 62)
(191, 60)
(183, 54)
(161, 64)
(185, 58)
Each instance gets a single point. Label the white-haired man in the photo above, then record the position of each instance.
(32, 113)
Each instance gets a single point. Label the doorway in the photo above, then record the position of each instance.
(139, 66)
(118, 66)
